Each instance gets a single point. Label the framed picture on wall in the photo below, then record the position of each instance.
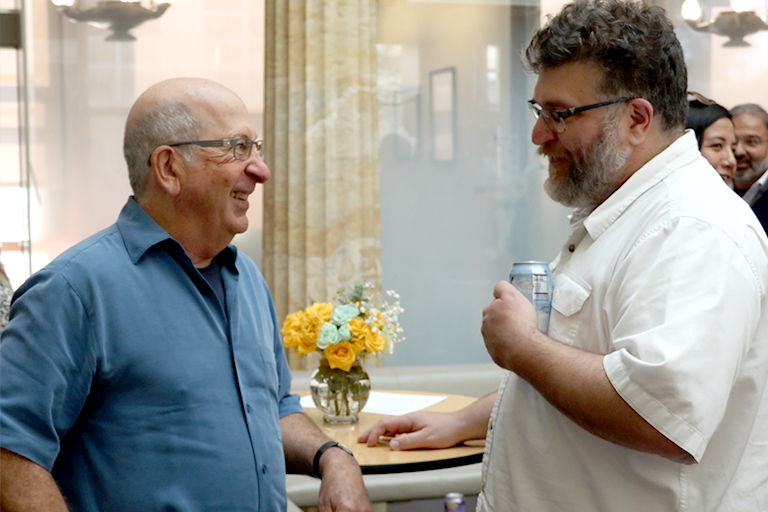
(407, 121)
(442, 102)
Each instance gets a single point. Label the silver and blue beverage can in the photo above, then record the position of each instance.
(454, 502)
(534, 280)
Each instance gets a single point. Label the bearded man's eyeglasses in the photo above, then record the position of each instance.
(555, 119)
(241, 148)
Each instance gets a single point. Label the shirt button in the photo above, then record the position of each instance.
(571, 247)
(248, 408)
(264, 469)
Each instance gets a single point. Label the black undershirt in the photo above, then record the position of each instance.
(212, 274)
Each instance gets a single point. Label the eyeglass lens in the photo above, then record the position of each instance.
(243, 147)
(556, 125)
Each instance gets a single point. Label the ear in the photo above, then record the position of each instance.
(640, 119)
(166, 165)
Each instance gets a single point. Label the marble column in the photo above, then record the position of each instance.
(322, 228)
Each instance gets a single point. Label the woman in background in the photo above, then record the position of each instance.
(714, 131)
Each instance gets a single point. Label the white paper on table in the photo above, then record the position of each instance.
(390, 404)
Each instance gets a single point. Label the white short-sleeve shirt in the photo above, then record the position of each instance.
(667, 278)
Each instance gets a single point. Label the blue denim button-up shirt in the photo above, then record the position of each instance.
(121, 375)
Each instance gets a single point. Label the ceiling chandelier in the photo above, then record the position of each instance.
(118, 16)
(735, 24)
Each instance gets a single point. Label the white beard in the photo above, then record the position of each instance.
(594, 175)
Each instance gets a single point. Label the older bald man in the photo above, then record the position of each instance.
(143, 368)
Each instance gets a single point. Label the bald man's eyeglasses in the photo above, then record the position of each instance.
(555, 119)
(241, 148)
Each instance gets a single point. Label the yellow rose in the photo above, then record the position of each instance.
(358, 344)
(341, 355)
(375, 342)
(307, 344)
(311, 327)
(322, 309)
(371, 341)
(291, 330)
(299, 333)
(290, 339)
(315, 316)
(360, 330)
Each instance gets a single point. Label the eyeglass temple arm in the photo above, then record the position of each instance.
(576, 110)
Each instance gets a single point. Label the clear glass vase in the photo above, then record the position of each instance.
(340, 395)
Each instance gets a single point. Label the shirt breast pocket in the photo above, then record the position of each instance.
(570, 294)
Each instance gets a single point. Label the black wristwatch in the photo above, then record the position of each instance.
(322, 450)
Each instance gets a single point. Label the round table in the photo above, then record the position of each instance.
(380, 459)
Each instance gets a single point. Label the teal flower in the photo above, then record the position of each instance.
(343, 314)
(329, 335)
(345, 333)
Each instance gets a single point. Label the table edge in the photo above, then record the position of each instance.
(412, 467)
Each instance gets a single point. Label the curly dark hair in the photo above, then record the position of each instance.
(634, 45)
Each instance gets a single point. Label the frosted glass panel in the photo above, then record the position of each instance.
(81, 88)
(452, 227)
(461, 195)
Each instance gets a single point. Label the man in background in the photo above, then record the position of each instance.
(751, 180)
(143, 368)
(648, 393)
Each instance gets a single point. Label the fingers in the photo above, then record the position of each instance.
(410, 430)
(342, 488)
(502, 288)
(409, 441)
(415, 430)
(387, 427)
(497, 290)
(371, 436)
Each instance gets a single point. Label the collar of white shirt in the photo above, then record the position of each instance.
(682, 151)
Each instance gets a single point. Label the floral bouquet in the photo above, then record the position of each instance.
(354, 329)
(343, 335)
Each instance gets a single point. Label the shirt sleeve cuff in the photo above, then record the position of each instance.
(289, 405)
(653, 411)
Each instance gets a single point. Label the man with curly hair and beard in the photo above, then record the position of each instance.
(647, 393)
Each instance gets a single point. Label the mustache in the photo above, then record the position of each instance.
(543, 150)
(549, 152)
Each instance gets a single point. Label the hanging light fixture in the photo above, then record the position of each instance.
(115, 15)
(735, 24)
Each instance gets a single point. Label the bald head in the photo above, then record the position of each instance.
(175, 110)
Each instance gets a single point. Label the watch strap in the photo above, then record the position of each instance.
(321, 451)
